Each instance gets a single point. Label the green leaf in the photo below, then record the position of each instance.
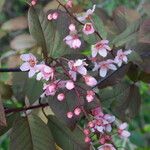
(9, 119)
(130, 31)
(24, 86)
(99, 25)
(50, 34)
(135, 57)
(31, 133)
(124, 99)
(64, 137)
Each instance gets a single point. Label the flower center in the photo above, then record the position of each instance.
(88, 27)
(99, 45)
(32, 62)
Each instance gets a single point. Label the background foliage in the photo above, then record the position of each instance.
(14, 35)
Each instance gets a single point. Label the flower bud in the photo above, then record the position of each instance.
(61, 96)
(77, 111)
(69, 114)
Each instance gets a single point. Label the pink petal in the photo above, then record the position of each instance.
(39, 76)
(82, 70)
(25, 57)
(123, 126)
(94, 51)
(127, 52)
(103, 52)
(107, 47)
(103, 72)
(73, 75)
(79, 62)
(25, 66)
(104, 41)
(125, 59)
(31, 73)
(125, 134)
(112, 67)
(72, 27)
(108, 128)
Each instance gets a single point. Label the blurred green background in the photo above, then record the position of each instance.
(140, 126)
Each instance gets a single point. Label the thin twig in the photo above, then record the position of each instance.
(10, 70)
(71, 15)
(7, 111)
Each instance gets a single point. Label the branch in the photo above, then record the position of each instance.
(7, 111)
(71, 15)
(10, 70)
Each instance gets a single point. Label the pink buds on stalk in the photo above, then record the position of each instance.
(61, 97)
(69, 114)
(52, 16)
(77, 111)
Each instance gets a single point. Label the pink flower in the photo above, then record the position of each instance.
(86, 15)
(97, 111)
(69, 4)
(73, 39)
(50, 89)
(29, 64)
(122, 132)
(70, 85)
(88, 29)
(104, 66)
(45, 73)
(107, 147)
(90, 96)
(69, 114)
(121, 57)
(101, 48)
(89, 80)
(77, 67)
(107, 121)
(52, 16)
(61, 96)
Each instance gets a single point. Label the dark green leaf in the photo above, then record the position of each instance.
(64, 137)
(31, 133)
(23, 86)
(99, 25)
(50, 34)
(130, 31)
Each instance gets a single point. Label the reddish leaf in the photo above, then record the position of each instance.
(144, 34)
(2, 114)
(124, 16)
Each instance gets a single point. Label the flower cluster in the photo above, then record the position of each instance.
(103, 126)
(52, 83)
